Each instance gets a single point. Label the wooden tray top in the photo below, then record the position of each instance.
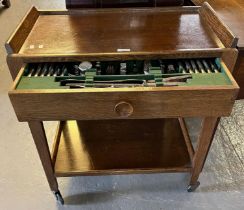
(108, 30)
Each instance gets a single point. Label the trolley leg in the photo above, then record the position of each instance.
(39, 136)
(209, 125)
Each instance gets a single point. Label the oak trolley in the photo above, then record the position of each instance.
(120, 82)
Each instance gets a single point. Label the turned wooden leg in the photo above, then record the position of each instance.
(209, 125)
(39, 136)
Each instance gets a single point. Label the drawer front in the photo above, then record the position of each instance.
(118, 105)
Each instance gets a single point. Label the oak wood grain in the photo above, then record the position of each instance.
(99, 104)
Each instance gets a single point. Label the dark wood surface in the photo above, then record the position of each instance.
(107, 31)
(119, 146)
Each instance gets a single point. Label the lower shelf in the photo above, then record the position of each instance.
(119, 147)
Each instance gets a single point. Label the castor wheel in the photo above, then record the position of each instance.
(193, 187)
(59, 197)
(6, 3)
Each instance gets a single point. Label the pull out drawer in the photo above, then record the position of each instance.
(44, 98)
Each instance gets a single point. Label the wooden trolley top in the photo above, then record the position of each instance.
(116, 31)
(112, 31)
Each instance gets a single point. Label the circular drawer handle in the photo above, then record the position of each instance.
(123, 109)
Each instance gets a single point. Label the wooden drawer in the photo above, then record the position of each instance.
(129, 103)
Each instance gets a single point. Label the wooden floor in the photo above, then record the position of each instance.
(121, 146)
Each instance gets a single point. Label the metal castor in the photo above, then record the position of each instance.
(193, 187)
(59, 197)
(6, 3)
